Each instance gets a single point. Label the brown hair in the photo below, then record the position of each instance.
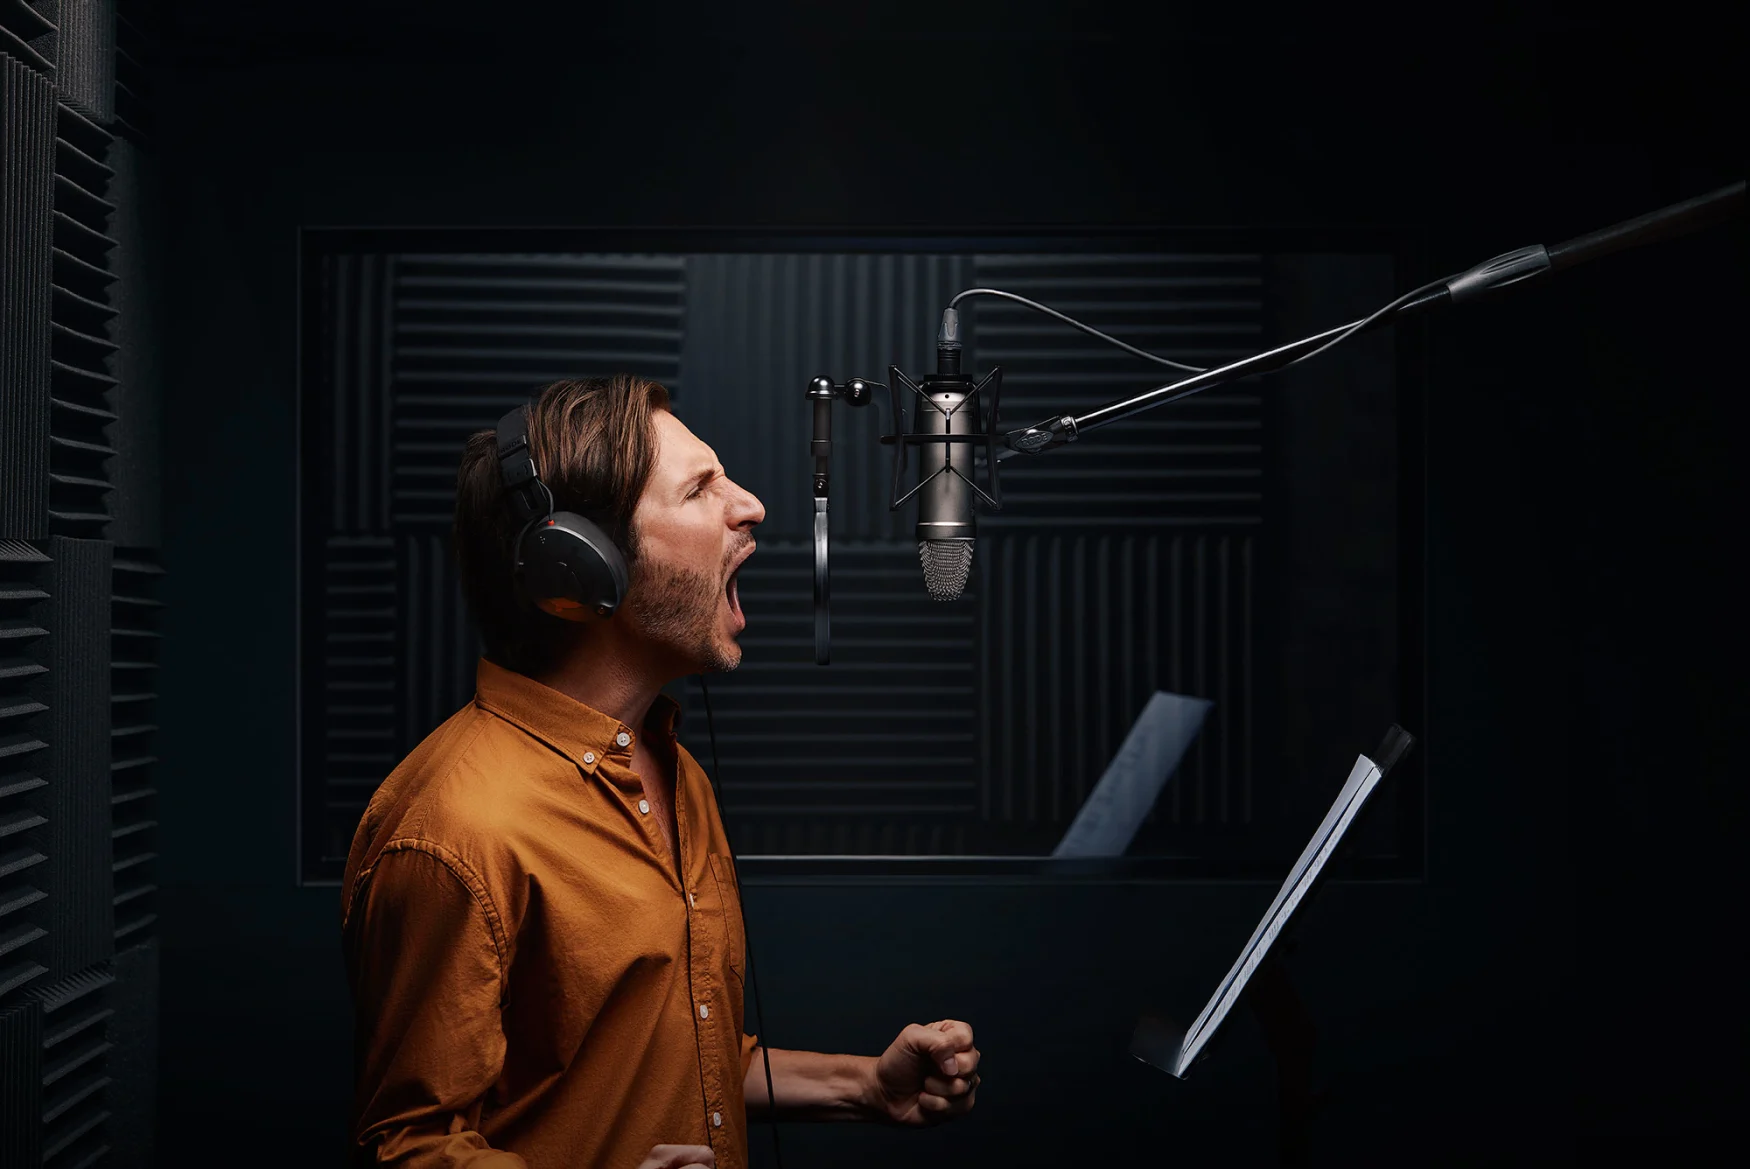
(593, 442)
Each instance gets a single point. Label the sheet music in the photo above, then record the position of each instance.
(1121, 801)
(1363, 778)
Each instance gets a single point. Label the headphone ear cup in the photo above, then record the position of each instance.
(571, 568)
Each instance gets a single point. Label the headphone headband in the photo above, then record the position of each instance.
(529, 497)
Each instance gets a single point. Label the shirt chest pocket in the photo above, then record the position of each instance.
(729, 905)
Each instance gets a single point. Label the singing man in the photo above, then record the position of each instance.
(540, 915)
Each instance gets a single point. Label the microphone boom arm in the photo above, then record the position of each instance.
(1490, 276)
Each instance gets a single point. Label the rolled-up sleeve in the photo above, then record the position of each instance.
(428, 955)
(750, 1045)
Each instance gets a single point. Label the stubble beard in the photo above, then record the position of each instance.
(677, 608)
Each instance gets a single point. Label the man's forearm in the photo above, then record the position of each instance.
(811, 1085)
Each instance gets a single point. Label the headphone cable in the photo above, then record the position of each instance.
(747, 937)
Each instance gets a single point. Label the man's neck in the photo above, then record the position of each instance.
(604, 679)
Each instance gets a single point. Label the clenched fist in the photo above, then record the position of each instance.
(928, 1074)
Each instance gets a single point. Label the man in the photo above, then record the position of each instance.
(540, 915)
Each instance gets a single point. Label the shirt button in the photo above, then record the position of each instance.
(644, 806)
(704, 1011)
(716, 1120)
(690, 900)
(589, 756)
(622, 738)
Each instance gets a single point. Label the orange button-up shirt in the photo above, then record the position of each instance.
(535, 984)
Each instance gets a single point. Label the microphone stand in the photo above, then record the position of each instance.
(1490, 276)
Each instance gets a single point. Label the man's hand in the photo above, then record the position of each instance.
(928, 1074)
(680, 1157)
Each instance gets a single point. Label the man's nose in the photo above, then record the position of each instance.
(748, 510)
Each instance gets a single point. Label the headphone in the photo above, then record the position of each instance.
(566, 565)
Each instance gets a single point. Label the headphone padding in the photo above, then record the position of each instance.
(571, 568)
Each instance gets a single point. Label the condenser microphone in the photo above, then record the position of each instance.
(945, 528)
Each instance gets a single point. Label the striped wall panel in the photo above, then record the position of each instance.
(133, 1097)
(85, 56)
(475, 335)
(876, 754)
(27, 166)
(1076, 631)
(438, 646)
(21, 1101)
(359, 691)
(1127, 562)
(81, 914)
(80, 325)
(135, 618)
(78, 624)
(357, 371)
(759, 327)
(24, 767)
(137, 396)
(136, 24)
(27, 35)
(1195, 464)
(77, 1047)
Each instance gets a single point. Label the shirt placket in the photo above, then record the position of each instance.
(701, 986)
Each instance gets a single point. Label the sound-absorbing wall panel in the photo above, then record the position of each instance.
(1148, 556)
(77, 1047)
(76, 800)
(758, 327)
(1126, 563)
(85, 56)
(875, 755)
(27, 167)
(133, 761)
(133, 1062)
(136, 399)
(80, 323)
(475, 335)
(24, 766)
(1195, 466)
(21, 1100)
(27, 35)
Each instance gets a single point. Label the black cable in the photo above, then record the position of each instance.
(1368, 321)
(746, 937)
(1257, 365)
(1068, 320)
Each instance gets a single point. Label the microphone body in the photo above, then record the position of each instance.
(945, 527)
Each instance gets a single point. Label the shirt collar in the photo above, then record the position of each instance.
(581, 733)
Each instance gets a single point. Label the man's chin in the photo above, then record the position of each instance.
(722, 656)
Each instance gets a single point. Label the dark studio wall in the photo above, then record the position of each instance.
(80, 587)
(1550, 989)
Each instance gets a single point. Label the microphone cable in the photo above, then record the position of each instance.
(746, 937)
(1072, 322)
(1361, 325)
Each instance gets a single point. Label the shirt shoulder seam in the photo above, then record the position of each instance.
(464, 873)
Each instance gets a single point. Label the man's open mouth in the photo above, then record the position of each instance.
(732, 586)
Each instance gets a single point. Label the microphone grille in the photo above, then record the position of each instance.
(947, 564)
